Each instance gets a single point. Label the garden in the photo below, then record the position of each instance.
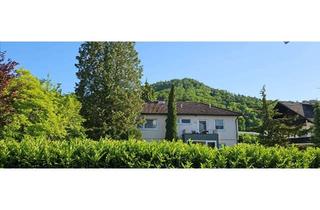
(96, 126)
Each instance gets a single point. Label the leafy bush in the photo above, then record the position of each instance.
(40, 109)
(135, 133)
(249, 138)
(83, 153)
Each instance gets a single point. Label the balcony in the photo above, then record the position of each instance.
(211, 139)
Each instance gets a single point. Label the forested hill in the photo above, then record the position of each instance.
(193, 90)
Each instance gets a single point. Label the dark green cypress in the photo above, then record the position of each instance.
(171, 121)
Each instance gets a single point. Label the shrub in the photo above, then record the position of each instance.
(249, 138)
(83, 153)
(135, 133)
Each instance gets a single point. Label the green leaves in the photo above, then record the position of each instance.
(148, 93)
(84, 153)
(276, 128)
(41, 110)
(249, 138)
(7, 73)
(316, 129)
(109, 88)
(171, 121)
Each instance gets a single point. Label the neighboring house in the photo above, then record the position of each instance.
(200, 122)
(303, 112)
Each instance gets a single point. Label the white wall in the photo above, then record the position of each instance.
(227, 136)
(155, 133)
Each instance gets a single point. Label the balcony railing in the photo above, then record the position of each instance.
(205, 138)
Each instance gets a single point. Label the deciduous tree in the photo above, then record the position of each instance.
(7, 73)
(41, 110)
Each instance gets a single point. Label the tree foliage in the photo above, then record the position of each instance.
(316, 127)
(109, 88)
(268, 128)
(192, 90)
(171, 121)
(148, 93)
(7, 73)
(248, 138)
(276, 128)
(41, 110)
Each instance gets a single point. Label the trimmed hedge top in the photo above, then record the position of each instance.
(84, 153)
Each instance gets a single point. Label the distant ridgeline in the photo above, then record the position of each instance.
(193, 90)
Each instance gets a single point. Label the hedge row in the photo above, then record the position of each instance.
(139, 154)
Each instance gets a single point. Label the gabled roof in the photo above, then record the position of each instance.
(303, 109)
(187, 108)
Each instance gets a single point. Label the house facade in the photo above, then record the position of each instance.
(304, 112)
(201, 122)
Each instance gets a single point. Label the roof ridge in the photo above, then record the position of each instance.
(213, 106)
(296, 111)
(190, 109)
(297, 103)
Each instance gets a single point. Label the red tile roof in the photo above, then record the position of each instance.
(187, 108)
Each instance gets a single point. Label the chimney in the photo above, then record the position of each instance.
(209, 105)
(181, 105)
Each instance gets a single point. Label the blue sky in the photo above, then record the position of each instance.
(290, 72)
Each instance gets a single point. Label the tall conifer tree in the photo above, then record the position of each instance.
(148, 93)
(109, 88)
(171, 121)
(277, 128)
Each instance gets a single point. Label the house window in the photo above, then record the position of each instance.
(150, 123)
(219, 124)
(185, 121)
(202, 126)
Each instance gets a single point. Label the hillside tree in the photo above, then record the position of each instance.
(171, 121)
(109, 88)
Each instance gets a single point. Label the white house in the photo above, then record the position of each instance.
(197, 121)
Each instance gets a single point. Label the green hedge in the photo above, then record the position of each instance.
(139, 154)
